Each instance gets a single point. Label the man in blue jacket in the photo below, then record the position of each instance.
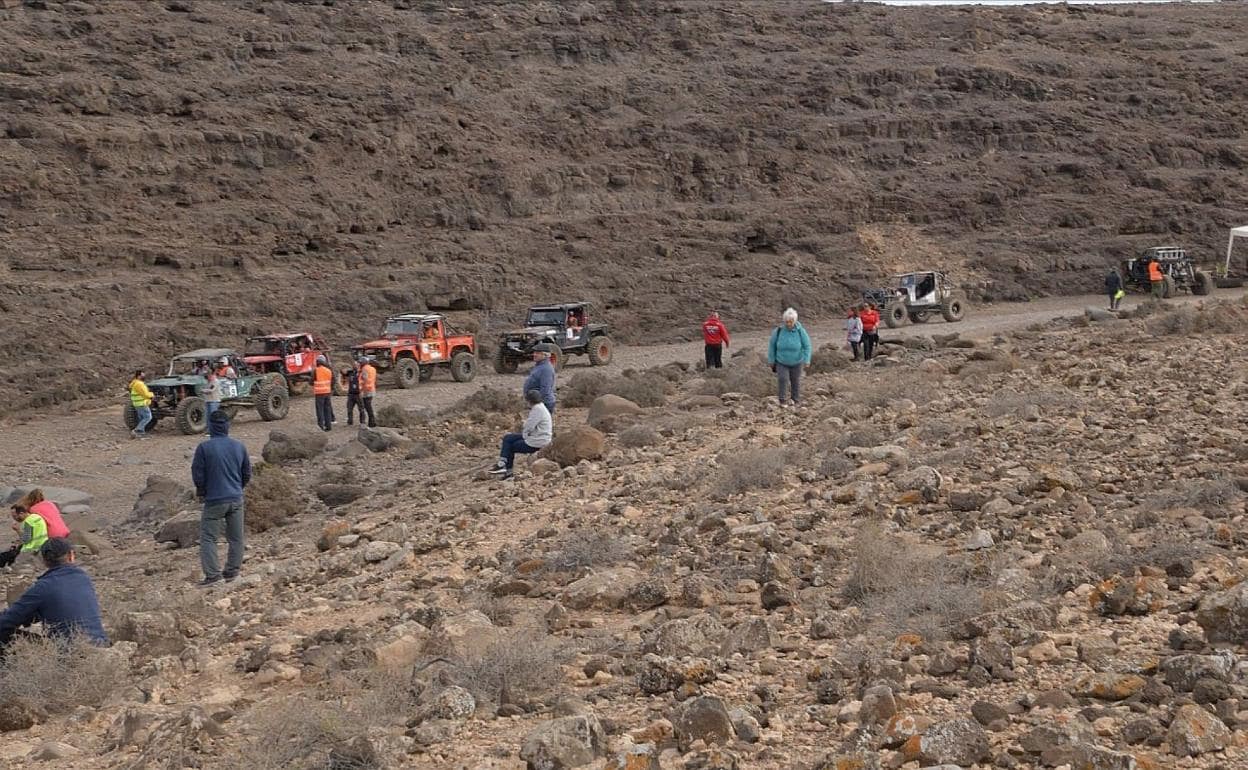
(789, 353)
(220, 470)
(542, 378)
(63, 599)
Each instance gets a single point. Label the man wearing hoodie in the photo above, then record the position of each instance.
(220, 470)
(715, 335)
(788, 352)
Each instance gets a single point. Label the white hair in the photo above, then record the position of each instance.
(789, 315)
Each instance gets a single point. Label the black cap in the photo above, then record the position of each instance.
(56, 549)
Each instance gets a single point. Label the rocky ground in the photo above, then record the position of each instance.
(1019, 551)
(183, 173)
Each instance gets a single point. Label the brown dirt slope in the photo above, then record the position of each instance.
(186, 172)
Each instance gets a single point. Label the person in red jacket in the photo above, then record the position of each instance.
(715, 335)
(870, 323)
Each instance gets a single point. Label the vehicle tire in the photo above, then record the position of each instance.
(336, 388)
(918, 316)
(1167, 287)
(463, 367)
(1203, 284)
(273, 377)
(953, 309)
(130, 416)
(272, 402)
(557, 359)
(191, 416)
(600, 350)
(406, 373)
(426, 373)
(895, 315)
(297, 387)
(503, 363)
(1229, 283)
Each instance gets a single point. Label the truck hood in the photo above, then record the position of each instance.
(177, 381)
(534, 331)
(385, 343)
(261, 359)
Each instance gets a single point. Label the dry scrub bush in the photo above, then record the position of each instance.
(1211, 496)
(884, 393)
(640, 436)
(579, 549)
(522, 664)
(904, 588)
(828, 358)
(393, 416)
(271, 499)
(1206, 318)
(491, 401)
(646, 388)
(53, 677)
(301, 733)
(836, 465)
(752, 469)
(468, 438)
(582, 389)
(1009, 402)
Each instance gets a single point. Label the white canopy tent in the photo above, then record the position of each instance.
(1236, 232)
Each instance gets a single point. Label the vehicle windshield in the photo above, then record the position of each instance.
(545, 318)
(189, 366)
(263, 347)
(399, 327)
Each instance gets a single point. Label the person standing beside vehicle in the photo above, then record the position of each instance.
(221, 469)
(323, 391)
(542, 378)
(211, 393)
(1113, 287)
(351, 379)
(1156, 279)
(870, 318)
(788, 352)
(715, 335)
(141, 400)
(853, 332)
(367, 375)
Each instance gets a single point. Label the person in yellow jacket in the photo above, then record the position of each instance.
(32, 531)
(141, 400)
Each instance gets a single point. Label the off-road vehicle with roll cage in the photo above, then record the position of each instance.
(565, 327)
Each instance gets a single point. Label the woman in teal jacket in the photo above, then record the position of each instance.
(788, 353)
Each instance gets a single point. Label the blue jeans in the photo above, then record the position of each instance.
(228, 516)
(513, 444)
(210, 407)
(792, 375)
(144, 413)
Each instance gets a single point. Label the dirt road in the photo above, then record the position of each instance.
(89, 449)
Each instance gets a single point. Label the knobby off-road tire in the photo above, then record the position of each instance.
(406, 373)
(918, 316)
(130, 416)
(1203, 284)
(336, 388)
(895, 315)
(297, 387)
(601, 349)
(953, 309)
(426, 373)
(191, 416)
(503, 363)
(272, 402)
(463, 367)
(273, 377)
(1167, 287)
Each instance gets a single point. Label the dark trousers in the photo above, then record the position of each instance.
(325, 412)
(714, 356)
(513, 444)
(869, 341)
(219, 518)
(854, 347)
(365, 406)
(791, 376)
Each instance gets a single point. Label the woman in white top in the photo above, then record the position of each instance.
(536, 433)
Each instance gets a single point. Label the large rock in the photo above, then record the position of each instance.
(705, 719)
(606, 590)
(1195, 731)
(62, 496)
(156, 633)
(285, 447)
(182, 530)
(607, 412)
(572, 445)
(696, 636)
(161, 498)
(381, 439)
(956, 742)
(563, 743)
(1182, 672)
(1224, 615)
(335, 495)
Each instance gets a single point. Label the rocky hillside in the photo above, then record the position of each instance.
(1019, 554)
(185, 172)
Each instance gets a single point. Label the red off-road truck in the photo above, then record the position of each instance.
(291, 355)
(413, 345)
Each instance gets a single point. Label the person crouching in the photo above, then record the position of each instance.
(536, 433)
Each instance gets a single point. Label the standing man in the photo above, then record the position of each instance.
(220, 470)
(323, 390)
(1156, 279)
(211, 393)
(1113, 287)
(141, 400)
(351, 378)
(542, 378)
(368, 388)
(62, 599)
(715, 335)
(870, 318)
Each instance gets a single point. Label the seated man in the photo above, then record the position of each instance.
(63, 599)
(431, 332)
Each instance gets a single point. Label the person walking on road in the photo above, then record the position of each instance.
(853, 332)
(221, 470)
(536, 433)
(788, 352)
(367, 375)
(870, 318)
(1156, 279)
(542, 378)
(715, 335)
(1113, 287)
(63, 599)
(141, 400)
(323, 391)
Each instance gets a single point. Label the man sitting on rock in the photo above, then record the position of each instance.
(535, 435)
(63, 599)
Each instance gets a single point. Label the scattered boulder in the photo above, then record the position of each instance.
(705, 719)
(182, 530)
(564, 743)
(160, 499)
(604, 590)
(1194, 731)
(572, 445)
(381, 439)
(336, 495)
(285, 447)
(955, 742)
(155, 633)
(1224, 615)
(608, 411)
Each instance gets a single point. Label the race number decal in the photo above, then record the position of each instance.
(229, 389)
